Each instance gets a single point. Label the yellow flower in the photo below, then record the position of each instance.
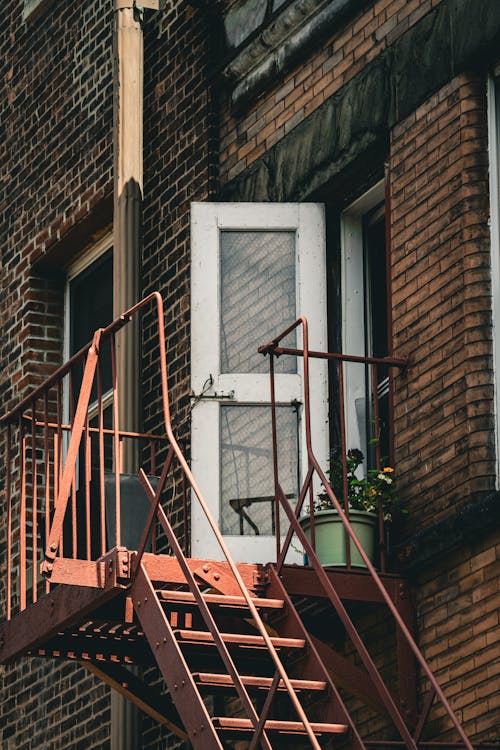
(388, 470)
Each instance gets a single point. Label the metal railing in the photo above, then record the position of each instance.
(377, 434)
(64, 474)
(61, 502)
(49, 487)
(408, 740)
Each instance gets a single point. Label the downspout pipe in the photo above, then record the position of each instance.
(128, 68)
(128, 53)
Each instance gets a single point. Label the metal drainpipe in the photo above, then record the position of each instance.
(128, 57)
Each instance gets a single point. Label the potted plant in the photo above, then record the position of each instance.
(364, 495)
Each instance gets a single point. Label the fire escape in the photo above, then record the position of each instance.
(250, 655)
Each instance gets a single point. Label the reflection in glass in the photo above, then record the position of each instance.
(247, 479)
(258, 297)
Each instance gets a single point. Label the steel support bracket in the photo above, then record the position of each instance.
(118, 566)
(260, 578)
(123, 563)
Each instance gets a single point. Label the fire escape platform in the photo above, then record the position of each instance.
(92, 599)
(80, 591)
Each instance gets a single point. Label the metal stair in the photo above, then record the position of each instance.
(241, 666)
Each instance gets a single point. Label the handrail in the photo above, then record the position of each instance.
(50, 508)
(272, 349)
(64, 491)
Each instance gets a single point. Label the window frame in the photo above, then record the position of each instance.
(77, 266)
(493, 102)
(353, 307)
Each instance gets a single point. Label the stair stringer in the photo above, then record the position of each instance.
(312, 665)
(173, 666)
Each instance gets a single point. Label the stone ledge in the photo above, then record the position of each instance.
(275, 46)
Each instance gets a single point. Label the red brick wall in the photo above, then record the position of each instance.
(458, 605)
(441, 300)
(56, 148)
(53, 705)
(444, 412)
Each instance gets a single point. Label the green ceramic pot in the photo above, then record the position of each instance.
(331, 538)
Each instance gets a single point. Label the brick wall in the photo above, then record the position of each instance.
(56, 151)
(53, 706)
(458, 625)
(56, 148)
(245, 138)
(441, 300)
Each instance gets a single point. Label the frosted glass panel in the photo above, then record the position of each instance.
(247, 479)
(257, 298)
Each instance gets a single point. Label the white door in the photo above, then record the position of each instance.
(255, 268)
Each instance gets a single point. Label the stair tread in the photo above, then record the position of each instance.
(289, 727)
(186, 597)
(225, 680)
(203, 636)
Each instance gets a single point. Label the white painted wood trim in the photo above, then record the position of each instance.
(207, 220)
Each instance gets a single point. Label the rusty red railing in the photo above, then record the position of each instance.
(64, 467)
(60, 466)
(293, 514)
(377, 378)
(59, 450)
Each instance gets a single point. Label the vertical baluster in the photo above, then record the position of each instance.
(46, 451)
(343, 447)
(116, 441)
(152, 454)
(74, 522)
(8, 500)
(22, 518)
(34, 505)
(88, 464)
(57, 448)
(390, 426)
(274, 437)
(187, 541)
(376, 414)
(100, 450)
(58, 463)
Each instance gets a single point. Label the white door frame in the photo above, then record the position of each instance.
(207, 220)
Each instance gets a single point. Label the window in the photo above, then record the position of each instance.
(90, 302)
(364, 314)
(88, 306)
(255, 269)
